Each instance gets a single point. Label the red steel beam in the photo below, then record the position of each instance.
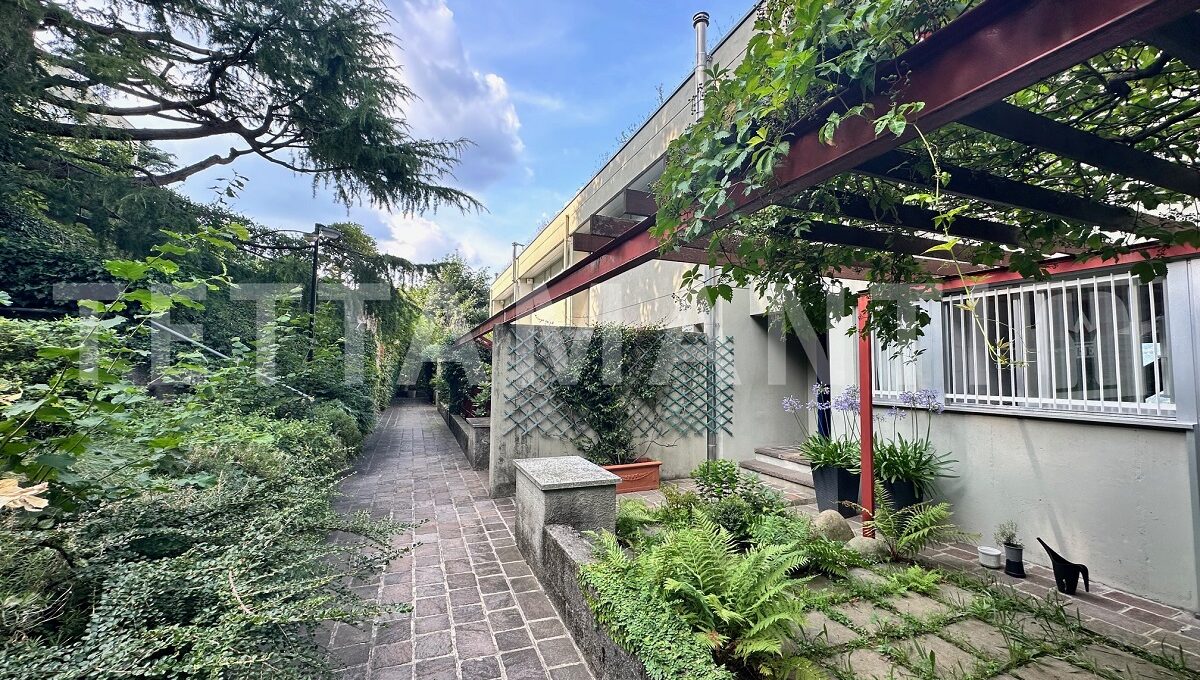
(988, 53)
(866, 417)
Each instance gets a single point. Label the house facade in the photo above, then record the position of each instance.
(1070, 403)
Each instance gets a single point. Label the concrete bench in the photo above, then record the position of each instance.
(565, 490)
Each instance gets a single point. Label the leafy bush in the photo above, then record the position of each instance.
(631, 609)
(633, 515)
(833, 452)
(733, 499)
(915, 579)
(820, 554)
(741, 605)
(781, 530)
(908, 531)
(340, 422)
(911, 460)
(219, 581)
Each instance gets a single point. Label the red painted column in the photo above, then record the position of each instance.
(866, 493)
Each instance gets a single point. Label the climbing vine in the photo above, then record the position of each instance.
(604, 384)
(810, 66)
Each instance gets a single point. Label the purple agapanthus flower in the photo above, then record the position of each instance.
(848, 401)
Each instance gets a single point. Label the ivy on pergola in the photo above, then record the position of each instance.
(1102, 159)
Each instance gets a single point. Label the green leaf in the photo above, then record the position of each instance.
(129, 270)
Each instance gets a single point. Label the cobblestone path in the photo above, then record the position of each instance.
(478, 611)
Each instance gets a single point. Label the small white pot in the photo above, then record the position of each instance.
(990, 557)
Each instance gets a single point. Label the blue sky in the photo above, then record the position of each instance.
(543, 88)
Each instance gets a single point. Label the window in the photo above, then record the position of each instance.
(1095, 344)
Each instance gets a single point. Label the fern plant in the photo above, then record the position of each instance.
(742, 605)
(908, 531)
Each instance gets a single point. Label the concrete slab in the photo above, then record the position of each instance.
(949, 661)
(987, 640)
(818, 627)
(918, 606)
(1126, 665)
(865, 615)
(868, 664)
(1049, 668)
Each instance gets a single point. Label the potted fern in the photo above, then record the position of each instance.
(1014, 550)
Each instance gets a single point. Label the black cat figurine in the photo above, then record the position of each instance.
(1066, 574)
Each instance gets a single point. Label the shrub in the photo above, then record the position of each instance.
(631, 609)
(717, 479)
(338, 419)
(733, 499)
(833, 452)
(908, 531)
(742, 605)
(911, 460)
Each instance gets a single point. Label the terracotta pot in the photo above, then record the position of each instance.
(641, 475)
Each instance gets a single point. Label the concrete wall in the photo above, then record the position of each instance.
(679, 455)
(1117, 498)
(768, 369)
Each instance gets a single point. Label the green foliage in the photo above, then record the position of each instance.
(1007, 534)
(631, 609)
(733, 499)
(908, 531)
(740, 604)
(717, 479)
(602, 397)
(338, 419)
(915, 579)
(225, 580)
(307, 84)
(819, 554)
(911, 460)
(833, 452)
(781, 530)
(633, 515)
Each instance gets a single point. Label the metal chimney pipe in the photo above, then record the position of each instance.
(700, 23)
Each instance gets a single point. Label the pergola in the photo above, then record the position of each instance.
(963, 74)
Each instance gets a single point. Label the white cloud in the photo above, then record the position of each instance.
(422, 239)
(454, 99)
(540, 100)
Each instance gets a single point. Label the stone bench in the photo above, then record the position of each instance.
(566, 490)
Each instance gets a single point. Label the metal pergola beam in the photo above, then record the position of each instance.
(610, 226)
(915, 218)
(1025, 127)
(908, 168)
(983, 56)
(1180, 39)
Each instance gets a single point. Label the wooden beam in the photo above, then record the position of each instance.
(640, 203)
(1180, 39)
(1025, 127)
(609, 226)
(909, 168)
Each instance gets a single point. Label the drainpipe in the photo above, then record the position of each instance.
(516, 282)
(700, 24)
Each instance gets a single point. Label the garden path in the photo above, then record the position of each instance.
(478, 611)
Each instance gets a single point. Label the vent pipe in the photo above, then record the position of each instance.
(700, 23)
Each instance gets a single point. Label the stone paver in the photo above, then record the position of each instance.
(948, 660)
(868, 664)
(478, 612)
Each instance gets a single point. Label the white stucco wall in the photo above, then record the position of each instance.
(1115, 498)
(767, 371)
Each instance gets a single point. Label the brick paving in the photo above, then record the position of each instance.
(478, 611)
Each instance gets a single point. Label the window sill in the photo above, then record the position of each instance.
(1067, 416)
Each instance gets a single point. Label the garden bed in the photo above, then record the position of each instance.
(781, 595)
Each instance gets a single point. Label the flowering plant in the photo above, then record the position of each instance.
(828, 451)
(913, 458)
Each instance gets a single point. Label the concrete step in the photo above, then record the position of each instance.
(778, 472)
(786, 457)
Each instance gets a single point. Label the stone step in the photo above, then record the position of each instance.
(791, 454)
(766, 469)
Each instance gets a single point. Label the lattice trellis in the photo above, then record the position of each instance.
(538, 354)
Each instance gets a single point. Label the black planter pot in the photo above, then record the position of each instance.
(1014, 560)
(834, 485)
(904, 494)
